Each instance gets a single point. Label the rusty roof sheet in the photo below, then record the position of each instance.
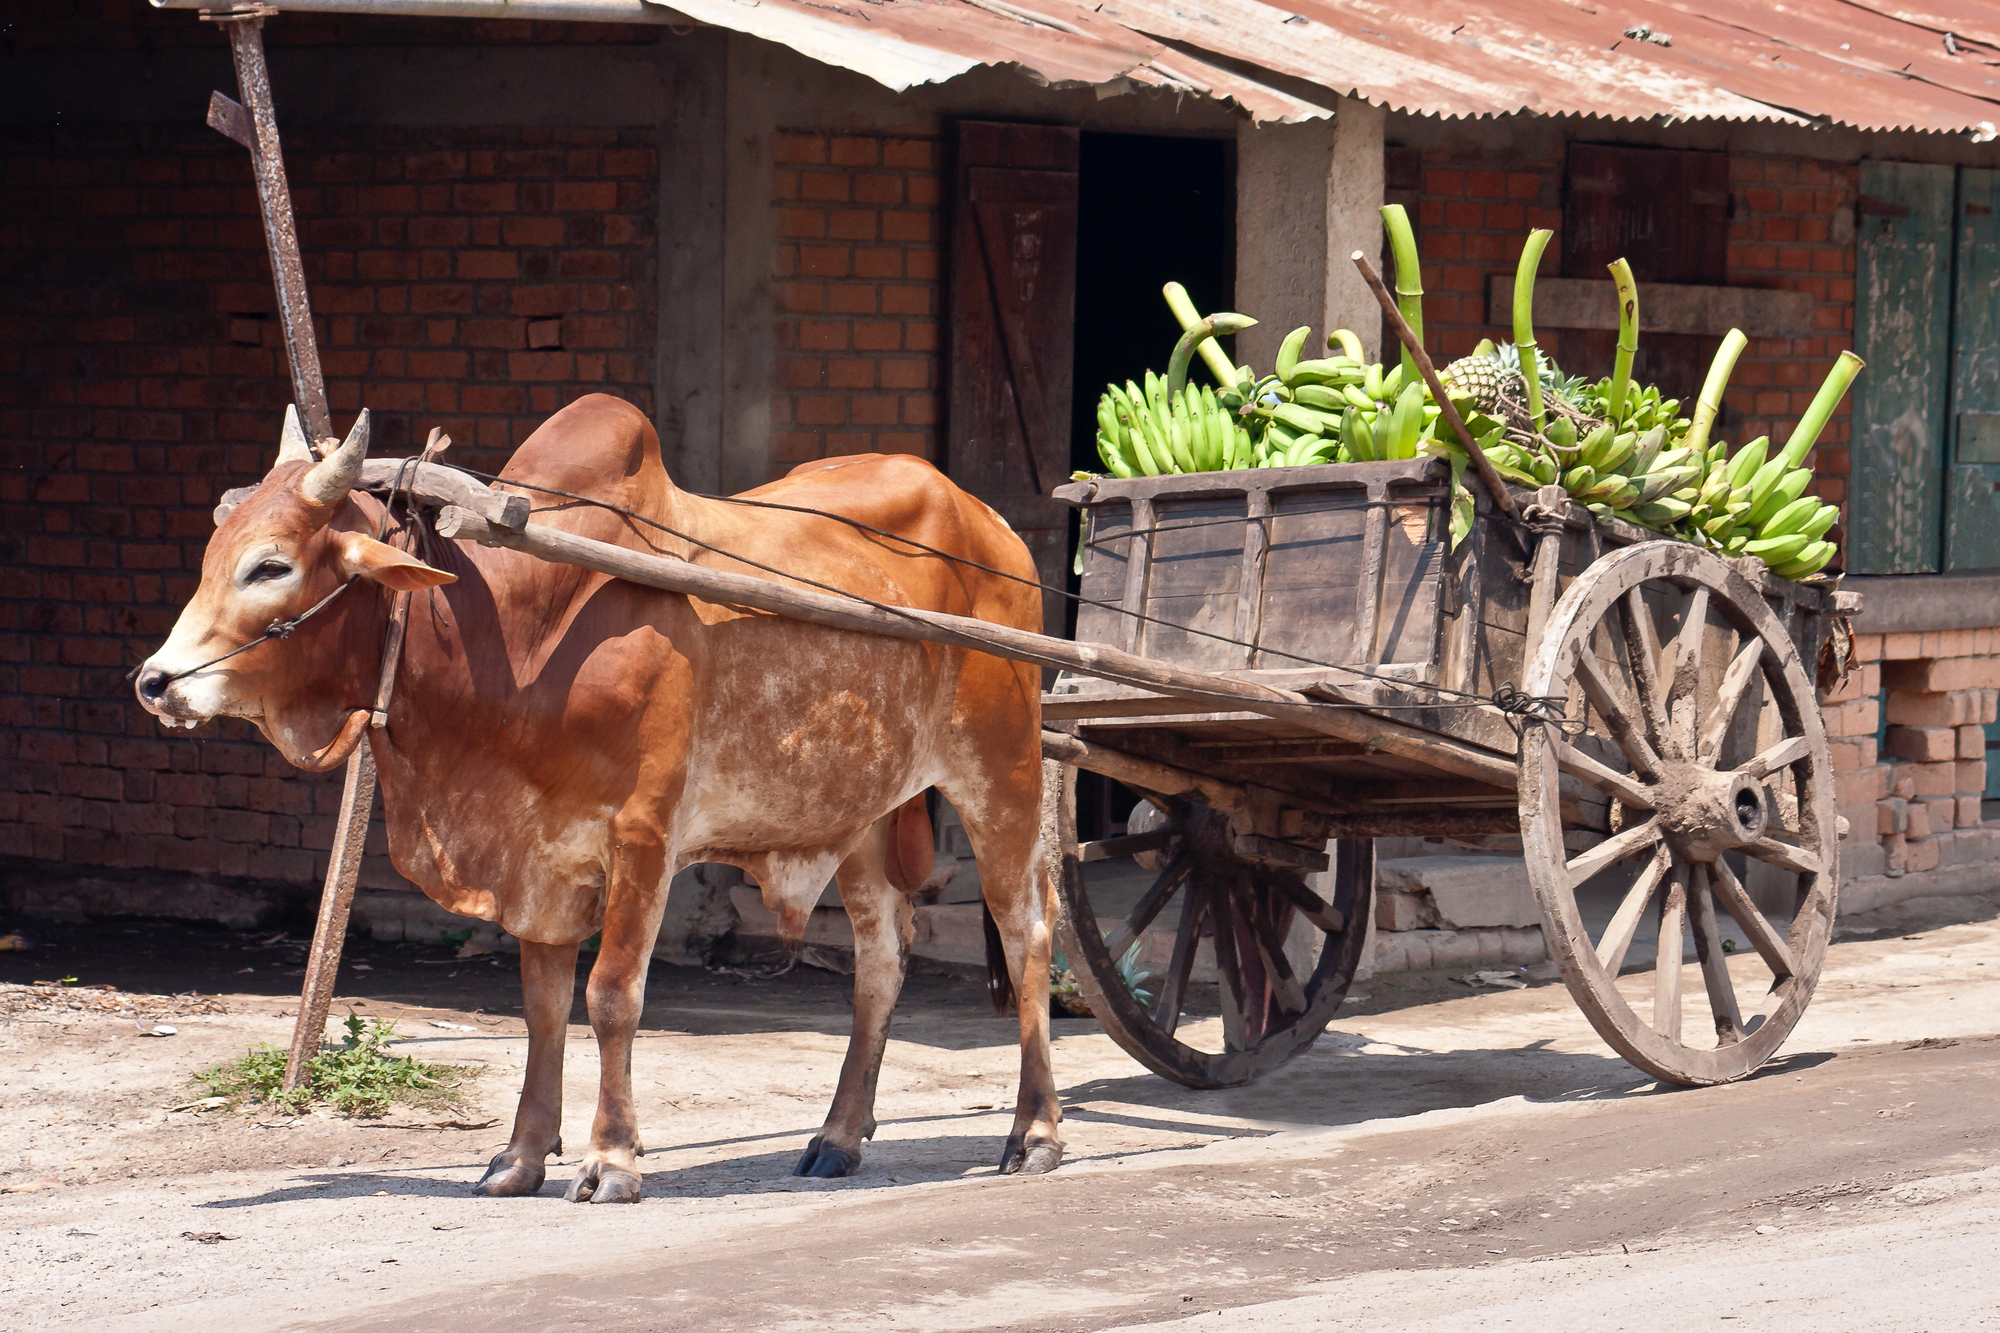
(1878, 65)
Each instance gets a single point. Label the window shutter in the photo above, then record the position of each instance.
(1902, 329)
(1972, 496)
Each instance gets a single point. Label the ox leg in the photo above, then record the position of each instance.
(1006, 838)
(548, 989)
(882, 919)
(609, 1172)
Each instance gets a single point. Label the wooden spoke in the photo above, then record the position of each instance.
(1782, 755)
(1625, 921)
(1642, 650)
(1604, 698)
(1228, 967)
(1173, 988)
(1615, 848)
(1578, 764)
(1131, 844)
(1683, 701)
(1284, 985)
(1735, 684)
(1149, 905)
(1766, 941)
(1714, 963)
(1784, 854)
(1321, 913)
(1667, 963)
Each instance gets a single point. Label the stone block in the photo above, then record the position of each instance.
(1867, 647)
(1921, 856)
(1972, 742)
(1861, 787)
(1971, 777)
(1467, 891)
(1932, 710)
(1932, 675)
(1922, 744)
(1418, 950)
(1989, 706)
(1862, 859)
(1916, 820)
(1891, 816)
(1943, 813)
(1901, 647)
(1939, 779)
(1859, 718)
(1967, 814)
(1401, 909)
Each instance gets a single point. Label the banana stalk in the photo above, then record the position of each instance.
(1201, 332)
(1212, 355)
(1524, 318)
(1710, 401)
(1409, 279)
(1838, 380)
(1628, 336)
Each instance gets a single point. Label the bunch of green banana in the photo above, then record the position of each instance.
(1150, 431)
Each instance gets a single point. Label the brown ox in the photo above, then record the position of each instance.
(561, 743)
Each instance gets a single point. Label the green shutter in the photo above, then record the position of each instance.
(1972, 499)
(1902, 329)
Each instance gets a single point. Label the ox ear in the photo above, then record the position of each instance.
(363, 555)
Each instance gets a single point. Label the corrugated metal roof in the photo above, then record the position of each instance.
(1930, 65)
(1873, 66)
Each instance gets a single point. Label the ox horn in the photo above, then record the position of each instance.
(330, 479)
(292, 447)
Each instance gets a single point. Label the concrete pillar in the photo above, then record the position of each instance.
(688, 405)
(1354, 220)
(1306, 197)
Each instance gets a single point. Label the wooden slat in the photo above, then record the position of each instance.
(1150, 902)
(1765, 940)
(1784, 854)
(1735, 684)
(1131, 844)
(1667, 963)
(1631, 911)
(1615, 848)
(1714, 963)
(1782, 755)
(1604, 698)
(1626, 788)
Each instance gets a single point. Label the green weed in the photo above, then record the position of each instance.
(357, 1077)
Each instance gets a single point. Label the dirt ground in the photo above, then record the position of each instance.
(1445, 1158)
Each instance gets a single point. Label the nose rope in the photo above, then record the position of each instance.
(278, 629)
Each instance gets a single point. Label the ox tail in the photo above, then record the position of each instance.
(999, 981)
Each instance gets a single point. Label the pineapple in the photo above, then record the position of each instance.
(1481, 377)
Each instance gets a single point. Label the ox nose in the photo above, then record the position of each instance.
(153, 684)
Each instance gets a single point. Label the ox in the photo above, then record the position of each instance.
(560, 743)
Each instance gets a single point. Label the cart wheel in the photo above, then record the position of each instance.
(1672, 655)
(1246, 909)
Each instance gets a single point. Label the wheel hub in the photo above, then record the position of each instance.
(1706, 813)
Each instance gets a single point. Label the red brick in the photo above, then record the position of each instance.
(908, 153)
(800, 149)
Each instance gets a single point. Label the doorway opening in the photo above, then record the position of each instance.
(1151, 209)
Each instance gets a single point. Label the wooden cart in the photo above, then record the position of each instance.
(1681, 733)
(1280, 658)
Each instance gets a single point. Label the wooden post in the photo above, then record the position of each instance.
(254, 124)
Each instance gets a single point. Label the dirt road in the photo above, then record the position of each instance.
(1443, 1159)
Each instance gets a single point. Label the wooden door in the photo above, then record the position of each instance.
(1013, 299)
(1666, 212)
(1972, 493)
(1902, 329)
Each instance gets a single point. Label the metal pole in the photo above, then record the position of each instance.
(245, 26)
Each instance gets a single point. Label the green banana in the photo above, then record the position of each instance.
(1288, 352)
(1816, 526)
(1778, 550)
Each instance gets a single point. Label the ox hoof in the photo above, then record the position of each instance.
(508, 1178)
(1030, 1157)
(601, 1182)
(827, 1162)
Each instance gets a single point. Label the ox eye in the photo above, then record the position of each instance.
(267, 571)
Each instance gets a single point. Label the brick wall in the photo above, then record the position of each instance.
(860, 226)
(1790, 229)
(470, 280)
(1909, 750)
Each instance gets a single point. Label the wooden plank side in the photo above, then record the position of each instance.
(1013, 295)
(1972, 500)
(1902, 327)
